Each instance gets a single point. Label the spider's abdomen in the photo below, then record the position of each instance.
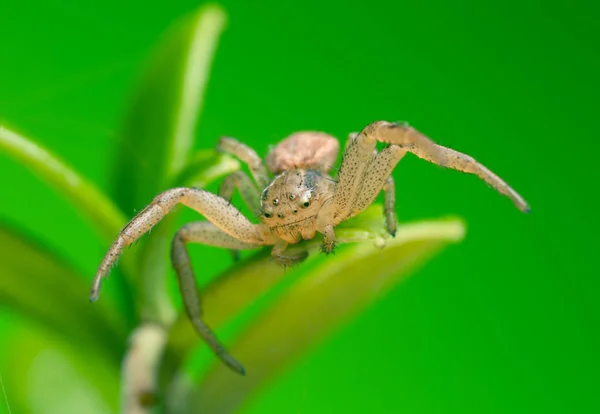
(304, 150)
(289, 205)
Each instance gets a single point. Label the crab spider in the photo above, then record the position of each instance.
(300, 201)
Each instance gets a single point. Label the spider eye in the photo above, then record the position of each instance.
(305, 199)
(292, 197)
(267, 215)
(276, 202)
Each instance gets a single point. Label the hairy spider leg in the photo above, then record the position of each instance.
(423, 147)
(248, 156)
(389, 206)
(248, 190)
(389, 190)
(206, 233)
(216, 209)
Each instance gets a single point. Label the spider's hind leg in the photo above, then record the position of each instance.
(206, 233)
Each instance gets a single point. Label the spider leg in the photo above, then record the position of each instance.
(285, 257)
(389, 191)
(423, 147)
(248, 156)
(362, 175)
(351, 137)
(216, 209)
(389, 206)
(329, 239)
(206, 233)
(248, 190)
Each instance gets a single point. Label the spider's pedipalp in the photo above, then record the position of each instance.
(329, 239)
(206, 233)
(287, 258)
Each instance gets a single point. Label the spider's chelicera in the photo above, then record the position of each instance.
(300, 201)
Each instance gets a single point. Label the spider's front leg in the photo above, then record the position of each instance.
(363, 174)
(206, 233)
(389, 189)
(414, 141)
(216, 209)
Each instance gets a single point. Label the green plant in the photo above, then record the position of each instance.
(142, 325)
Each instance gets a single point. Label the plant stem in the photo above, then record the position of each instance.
(139, 385)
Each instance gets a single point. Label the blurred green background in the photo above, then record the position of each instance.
(505, 322)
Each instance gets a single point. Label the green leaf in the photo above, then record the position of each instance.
(225, 297)
(159, 127)
(249, 280)
(44, 372)
(157, 137)
(39, 285)
(322, 300)
(83, 195)
(205, 167)
(327, 293)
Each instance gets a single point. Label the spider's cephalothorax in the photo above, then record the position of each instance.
(299, 202)
(290, 204)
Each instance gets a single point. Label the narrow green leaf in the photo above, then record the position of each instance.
(205, 167)
(324, 299)
(44, 373)
(159, 127)
(39, 285)
(157, 137)
(84, 196)
(249, 281)
(245, 283)
(336, 287)
(224, 298)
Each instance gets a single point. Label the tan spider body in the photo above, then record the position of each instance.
(299, 202)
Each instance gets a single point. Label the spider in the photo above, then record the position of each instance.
(300, 201)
